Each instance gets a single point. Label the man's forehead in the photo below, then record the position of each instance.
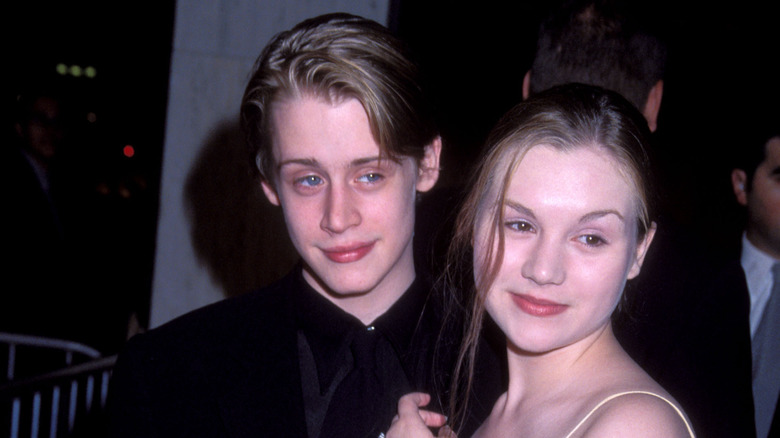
(772, 156)
(308, 130)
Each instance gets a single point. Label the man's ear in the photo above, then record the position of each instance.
(653, 105)
(429, 166)
(641, 251)
(527, 85)
(270, 192)
(738, 183)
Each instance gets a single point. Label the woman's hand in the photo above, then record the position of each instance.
(414, 422)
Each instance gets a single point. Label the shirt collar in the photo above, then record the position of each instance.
(757, 264)
(758, 274)
(328, 328)
(400, 322)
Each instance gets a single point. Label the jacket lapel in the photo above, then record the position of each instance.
(263, 396)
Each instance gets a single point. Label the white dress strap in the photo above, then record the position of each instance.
(613, 396)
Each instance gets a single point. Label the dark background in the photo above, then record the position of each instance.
(721, 72)
(108, 201)
(720, 69)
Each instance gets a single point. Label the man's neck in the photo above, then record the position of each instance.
(365, 306)
(761, 245)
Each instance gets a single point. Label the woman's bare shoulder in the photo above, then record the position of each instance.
(641, 414)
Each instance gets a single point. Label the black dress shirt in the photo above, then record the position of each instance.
(393, 360)
(263, 363)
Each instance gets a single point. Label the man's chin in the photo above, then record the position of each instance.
(338, 288)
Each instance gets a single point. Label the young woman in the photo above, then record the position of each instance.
(557, 221)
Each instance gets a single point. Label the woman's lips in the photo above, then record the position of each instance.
(537, 307)
(348, 254)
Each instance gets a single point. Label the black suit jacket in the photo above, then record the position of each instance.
(774, 428)
(35, 248)
(227, 370)
(688, 327)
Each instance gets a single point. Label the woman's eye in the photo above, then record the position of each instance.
(371, 178)
(591, 240)
(521, 226)
(309, 181)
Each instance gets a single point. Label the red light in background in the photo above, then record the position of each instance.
(129, 151)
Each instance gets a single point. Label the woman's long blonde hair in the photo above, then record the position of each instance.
(565, 117)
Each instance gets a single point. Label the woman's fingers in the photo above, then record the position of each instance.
(410, 404)
(447, 432)
(432, 419)
(412, 421)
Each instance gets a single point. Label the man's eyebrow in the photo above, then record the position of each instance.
(366, 160)
(312, 162)
(302, 161)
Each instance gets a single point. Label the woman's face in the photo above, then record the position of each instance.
(570, 244)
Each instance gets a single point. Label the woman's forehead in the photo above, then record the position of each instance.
(583, 175)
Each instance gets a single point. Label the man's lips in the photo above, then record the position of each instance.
(348, 253)
(536, 306)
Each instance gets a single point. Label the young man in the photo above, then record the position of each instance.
(756, 184)
(344, 141)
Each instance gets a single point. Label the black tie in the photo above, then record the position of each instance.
(354, 408)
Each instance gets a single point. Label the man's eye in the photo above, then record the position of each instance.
(371, 177)
(309, 181)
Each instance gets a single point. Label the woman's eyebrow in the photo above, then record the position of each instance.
(520, 208)
(599, 214)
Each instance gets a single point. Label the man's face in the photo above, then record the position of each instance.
(44, 132)
(763, 202)
(349, 213)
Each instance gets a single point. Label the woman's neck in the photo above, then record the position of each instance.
(545, 375)
(550, 392)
